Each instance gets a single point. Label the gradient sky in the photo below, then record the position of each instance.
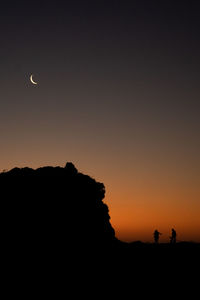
(118, 95)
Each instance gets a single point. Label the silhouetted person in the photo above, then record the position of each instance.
(156, 236)
(173, 237)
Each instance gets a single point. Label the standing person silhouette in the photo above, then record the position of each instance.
(173, 236)
(156, 236)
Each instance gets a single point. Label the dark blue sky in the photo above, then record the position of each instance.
(118, 89)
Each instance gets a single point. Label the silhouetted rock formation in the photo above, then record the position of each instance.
(52, 217)
(53, 209)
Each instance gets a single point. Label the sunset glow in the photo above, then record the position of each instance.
(118, 96)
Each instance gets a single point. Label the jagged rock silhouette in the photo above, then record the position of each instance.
(54, 209)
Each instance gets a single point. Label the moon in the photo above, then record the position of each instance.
(31, 79)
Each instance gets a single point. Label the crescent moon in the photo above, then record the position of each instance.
(31, 79)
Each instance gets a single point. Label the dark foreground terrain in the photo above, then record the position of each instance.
(159, 254)
(56, 228)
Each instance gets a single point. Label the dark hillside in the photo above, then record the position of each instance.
(53, 210)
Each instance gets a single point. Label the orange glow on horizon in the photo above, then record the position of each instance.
(139, 205)
(142, 214)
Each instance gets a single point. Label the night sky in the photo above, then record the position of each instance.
(118, 95)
